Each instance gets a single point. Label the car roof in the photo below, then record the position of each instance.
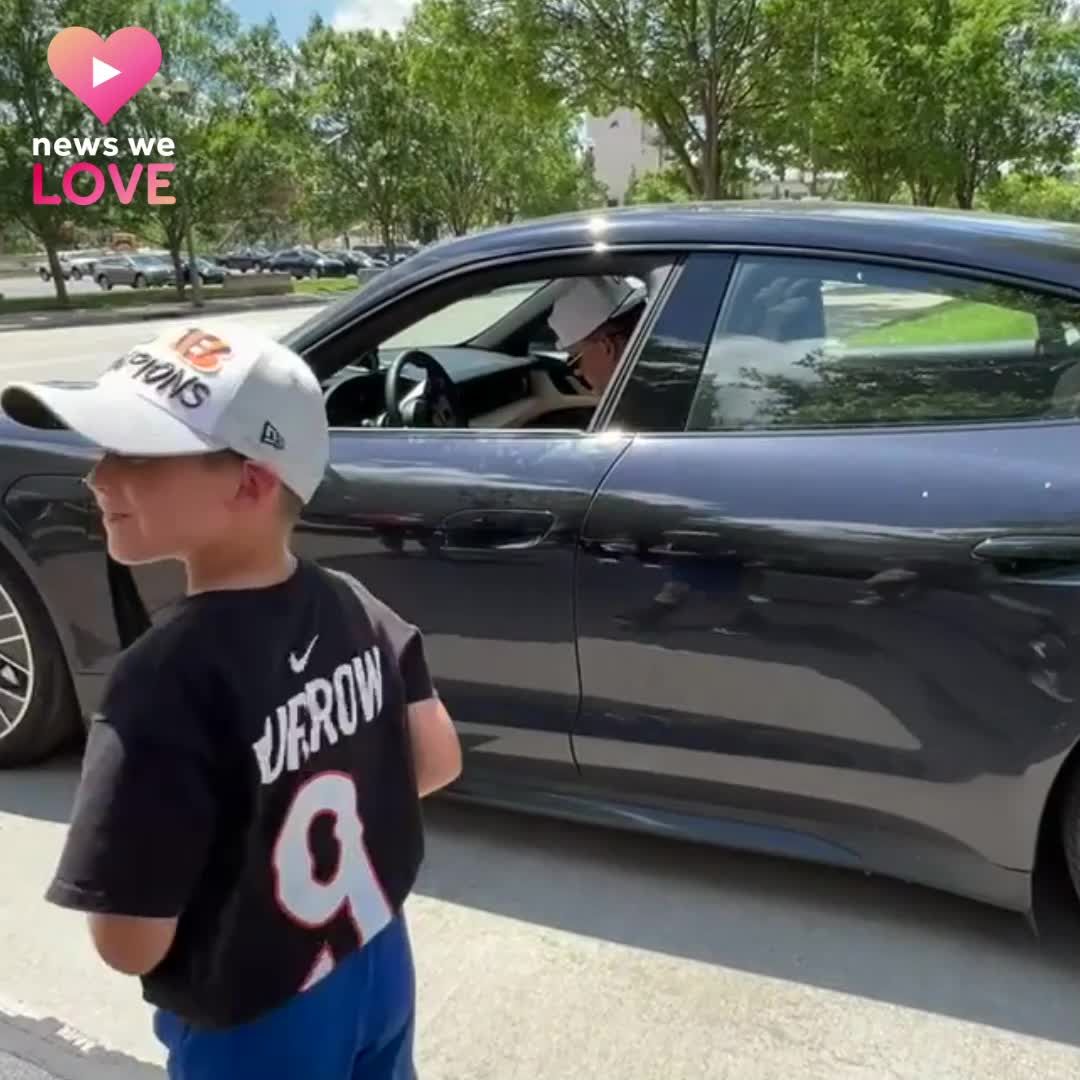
(995, 241)
(1032, 249)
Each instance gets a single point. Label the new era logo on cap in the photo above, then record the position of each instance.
(272, 437)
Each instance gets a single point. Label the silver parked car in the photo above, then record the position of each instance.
(138, 271)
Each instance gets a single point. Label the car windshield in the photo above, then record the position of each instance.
(464, 319)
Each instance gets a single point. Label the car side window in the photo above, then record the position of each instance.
(811, 343)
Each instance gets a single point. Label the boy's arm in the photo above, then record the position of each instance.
(435, 746)
(140, 831)
(436, 749)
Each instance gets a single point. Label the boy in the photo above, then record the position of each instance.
(247, 825)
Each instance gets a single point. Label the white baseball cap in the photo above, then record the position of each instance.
(589, 303)
(193, 391)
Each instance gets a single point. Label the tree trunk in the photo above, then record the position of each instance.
(196, 284)
(176, 254)
(54, 269)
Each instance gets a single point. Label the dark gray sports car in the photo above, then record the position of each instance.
(802, 579)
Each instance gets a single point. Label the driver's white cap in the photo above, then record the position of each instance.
(588, 304)
(193, 391)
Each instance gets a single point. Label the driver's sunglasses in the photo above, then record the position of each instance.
(594, 338)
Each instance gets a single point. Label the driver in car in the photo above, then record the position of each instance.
(593, 321)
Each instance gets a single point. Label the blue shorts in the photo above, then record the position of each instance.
(356, 1024)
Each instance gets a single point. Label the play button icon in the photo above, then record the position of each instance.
(103, 72)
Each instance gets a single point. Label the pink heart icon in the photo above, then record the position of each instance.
(104, 75)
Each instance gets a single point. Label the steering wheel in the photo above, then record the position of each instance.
(435, 402)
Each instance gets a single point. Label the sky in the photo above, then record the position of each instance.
(293, 16)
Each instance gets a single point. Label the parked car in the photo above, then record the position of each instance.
(210, 273)
(303, 262)
(801, 579)
(83, 263)
(74, 265)
(374, 252)
(138, 271)
(245, 258)
(354, 260)
(45, 271)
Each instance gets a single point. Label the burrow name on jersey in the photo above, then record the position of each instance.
(320, 714)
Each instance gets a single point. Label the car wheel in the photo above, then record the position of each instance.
(1070, 828)
(139, 282)
(76, 273)
(44, 274)
(104, 282)
(38, 708)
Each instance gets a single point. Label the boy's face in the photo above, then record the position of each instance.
(178, 507)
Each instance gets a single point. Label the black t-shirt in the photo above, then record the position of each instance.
(251, 772)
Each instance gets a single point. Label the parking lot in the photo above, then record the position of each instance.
(546, 951)
(549, 951)
(23, 286)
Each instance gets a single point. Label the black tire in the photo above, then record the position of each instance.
(1070, 827)
(104, 283)
(76, 273)
(44, 274)
(139, 282)
(50, 716)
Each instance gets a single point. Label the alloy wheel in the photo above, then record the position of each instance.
(16, 665)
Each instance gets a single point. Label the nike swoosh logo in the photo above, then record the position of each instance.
(298, 663)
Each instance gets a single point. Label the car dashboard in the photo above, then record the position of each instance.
(497, 390)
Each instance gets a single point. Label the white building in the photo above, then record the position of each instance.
(622, 144)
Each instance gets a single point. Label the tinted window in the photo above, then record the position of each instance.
(823, 343)
(660, 387)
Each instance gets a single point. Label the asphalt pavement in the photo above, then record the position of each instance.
(22, 287)
(548, 951)
(30, 285)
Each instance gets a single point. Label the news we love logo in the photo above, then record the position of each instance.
(104, 75)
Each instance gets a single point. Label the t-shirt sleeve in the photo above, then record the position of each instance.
(406, 644)
(414, 668)
(144, 811)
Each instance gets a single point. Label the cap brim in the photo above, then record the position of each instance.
(123, 424)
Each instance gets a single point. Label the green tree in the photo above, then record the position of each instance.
(188, 101)
(492, 155)
(1040, 196)
(701, 72)
(926, 96)
(34, 104)
(666, 186)
(366, 125)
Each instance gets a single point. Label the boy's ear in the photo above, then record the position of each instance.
(257, 482)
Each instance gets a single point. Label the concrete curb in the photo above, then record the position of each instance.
(53, 320)
(59, 1052)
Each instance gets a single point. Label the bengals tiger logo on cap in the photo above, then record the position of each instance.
(203, 351)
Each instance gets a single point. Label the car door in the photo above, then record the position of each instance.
(832, 585)
(473, 536)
